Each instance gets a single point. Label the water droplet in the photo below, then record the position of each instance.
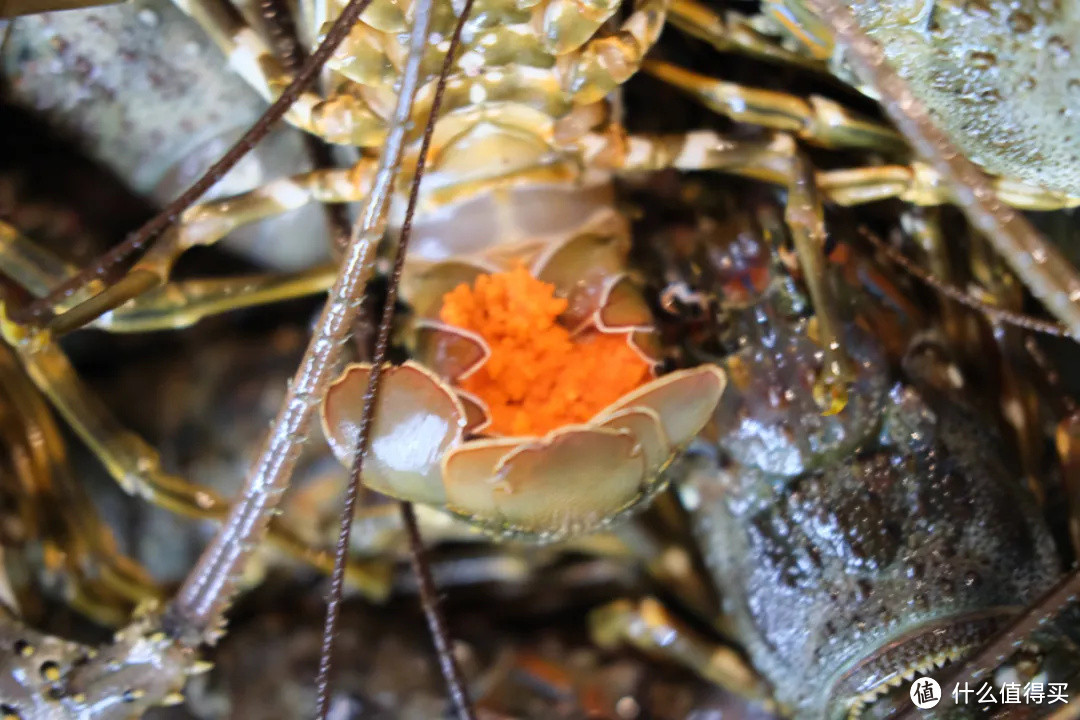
(981, 59)
(627, 708)
(978, 8)
(1060, 52)
(1021, 22)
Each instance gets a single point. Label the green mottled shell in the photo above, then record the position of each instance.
(1002, 77)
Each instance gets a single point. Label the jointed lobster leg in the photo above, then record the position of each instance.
(55, 511)
(647, 625)
(733, 32)
(817, 120)
(254, 61)
(136, 465)
(825, 123)
(202, 224)
(920, 184)
(170, 306)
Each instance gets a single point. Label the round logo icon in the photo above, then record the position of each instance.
(925, 693)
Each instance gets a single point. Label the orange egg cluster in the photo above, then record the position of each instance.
(538, 377)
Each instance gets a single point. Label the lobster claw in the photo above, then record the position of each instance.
(575, 479)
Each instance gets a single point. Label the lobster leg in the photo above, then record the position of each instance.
(822, 122)
(202, 224)
(817, 120)
(98, 579)
(182, 304)
(732, 32)
(919, 184)
(177, 305)
(342, 118)
(171, 306)
(136, 466)
(648, 626)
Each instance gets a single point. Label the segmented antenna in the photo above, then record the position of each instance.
(1001, 315)
(429, 600)
(281, 27)
(447, 663)
(108, 262)
(196, 614)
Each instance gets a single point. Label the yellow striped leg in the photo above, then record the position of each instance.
(919, 184)
(648, 626)
(815, 120)
(77, 545)
(136, 465)
(732, 32)
(204, 225)
(172, 306)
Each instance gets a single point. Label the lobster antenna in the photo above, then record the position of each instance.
(1026, 322)
(429, 599)
(1042, 267)
(196, 614)
(105, 264)
(281, 27)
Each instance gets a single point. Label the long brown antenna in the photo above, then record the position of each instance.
(108, 262)
(281, 28)
(447, 663)
(1007, 317)
(197, 612)
(429, 600)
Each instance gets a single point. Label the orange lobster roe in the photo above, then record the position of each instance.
(538, 378)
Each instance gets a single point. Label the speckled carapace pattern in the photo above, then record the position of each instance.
(1001, 77)
(921, 525)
